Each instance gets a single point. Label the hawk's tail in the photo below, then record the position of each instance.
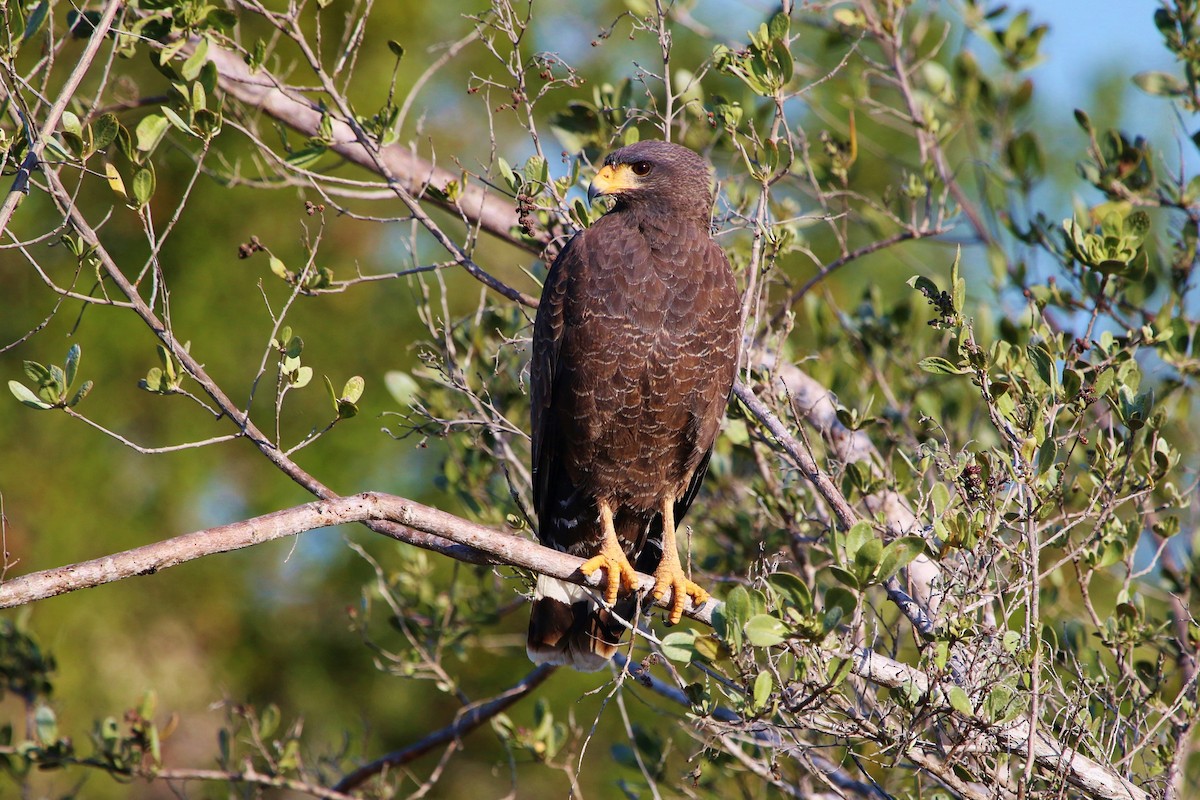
(568, 627)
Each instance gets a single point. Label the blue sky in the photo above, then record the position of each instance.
(1092, 38)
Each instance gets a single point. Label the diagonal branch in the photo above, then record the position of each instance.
(20, 184)
(467, 720)
(483, 544)
(396, 517)
(409, 175)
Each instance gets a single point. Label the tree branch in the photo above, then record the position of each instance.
(32, 161)
(260, 90)
(467, 720)
(481, 544)
(396, 517)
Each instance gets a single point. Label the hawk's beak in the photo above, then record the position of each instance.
(611, 180)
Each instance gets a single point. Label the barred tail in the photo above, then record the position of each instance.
(569, 628)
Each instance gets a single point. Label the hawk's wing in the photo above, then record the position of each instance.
(543, 368)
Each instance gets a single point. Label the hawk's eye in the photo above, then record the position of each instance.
(642, 168)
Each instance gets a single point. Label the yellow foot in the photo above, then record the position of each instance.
(670, 577)
(618, 574)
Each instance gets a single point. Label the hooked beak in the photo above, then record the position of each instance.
(611, 180)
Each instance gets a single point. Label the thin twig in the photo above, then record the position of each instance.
(466, 721)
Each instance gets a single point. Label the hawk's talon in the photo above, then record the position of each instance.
(618, 574)
(669, 577)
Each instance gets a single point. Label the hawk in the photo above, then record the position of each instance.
(635, 347)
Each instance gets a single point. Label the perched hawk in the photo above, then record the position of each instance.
(634, 353)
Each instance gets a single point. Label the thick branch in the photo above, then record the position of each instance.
(502, 548)
(394, 516)
(259, 90)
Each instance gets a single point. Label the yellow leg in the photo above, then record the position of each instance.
(669, 575)
(618, 573)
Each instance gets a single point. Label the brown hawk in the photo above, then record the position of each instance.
(635, 348)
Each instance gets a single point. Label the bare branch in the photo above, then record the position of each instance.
(20, 185)
(485, 545)
(260, 91)
(466, 721)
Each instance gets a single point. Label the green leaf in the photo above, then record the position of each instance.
(959, 701)
(168, 363)
(279, 269)
(859, 534)
(779, 25)
(191, 67)
(82, 393)
(939, 366)
(353, 389)
(1162, 84)
(764, 684)
(1043, 364)
(679, 646)
(199, 98)
(333, 396)
(537, 169)
(72, 365)
(170, 50)
(307, 157)
(764, 630)
(898, 554)
(54, 389)
(114, 180)
(143, 186)
(46, 724)
(844, 576)
(709, 647)
(104, 130)
(401, 386)
(36, 372)
(939, 495)
(22, 393)
(737, 607)
(34, 23)
(866, 561)
(1002, 705)
(222, 18)
(177, 121)
(269, 721)
(839, 604)
(153, 382)
(301, 377)
(149, 132)
(792, 591)
(507, 173)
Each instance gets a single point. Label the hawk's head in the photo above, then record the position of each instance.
(659, 177)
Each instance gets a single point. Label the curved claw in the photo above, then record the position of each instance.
(619, 575)
(670, 577)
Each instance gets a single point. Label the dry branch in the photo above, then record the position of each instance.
(505, 548)
(263, 92)
(467, 720)
(478, 544)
